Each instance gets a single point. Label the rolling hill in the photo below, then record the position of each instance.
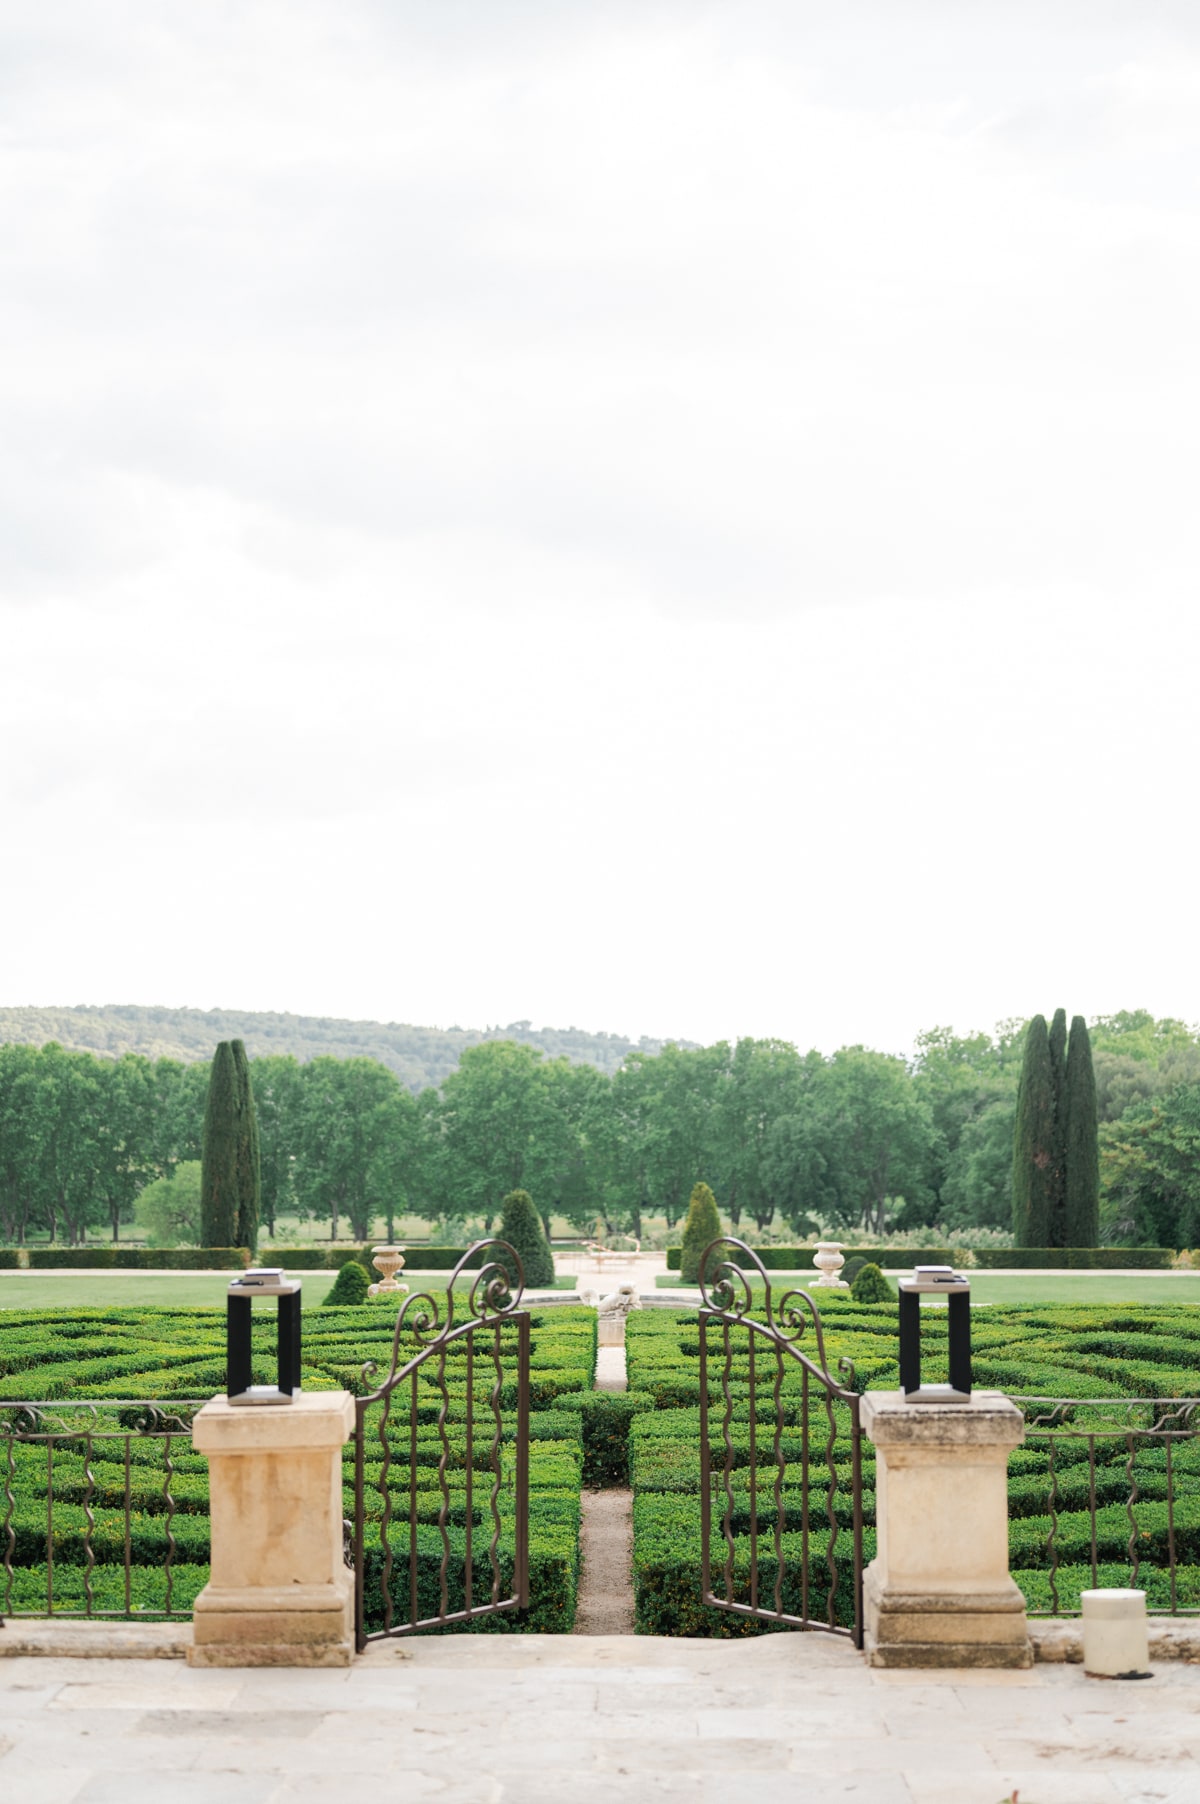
(419, 1056)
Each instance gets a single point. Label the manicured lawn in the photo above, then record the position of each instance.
(1085, 1287)
(167, 1290)
(1036, 1287)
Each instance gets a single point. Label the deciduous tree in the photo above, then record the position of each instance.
(169, 1209)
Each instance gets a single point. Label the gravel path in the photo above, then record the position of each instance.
(606, 1585)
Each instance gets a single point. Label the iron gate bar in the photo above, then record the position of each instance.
(728, 1299)
(492, 1305)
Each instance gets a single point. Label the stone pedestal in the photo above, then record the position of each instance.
(938, 1592)
(280, 1593)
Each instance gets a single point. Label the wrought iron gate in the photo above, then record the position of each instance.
(763, 1455)
(469, 1436)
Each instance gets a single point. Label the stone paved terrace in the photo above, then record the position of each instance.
(499, 1719)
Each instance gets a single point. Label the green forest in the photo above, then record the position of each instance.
(790, 1142)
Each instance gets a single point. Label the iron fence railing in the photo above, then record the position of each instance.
(103, 1509)
(104, 1503)
(1118, 1491)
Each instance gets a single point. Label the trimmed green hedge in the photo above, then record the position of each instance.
(198, 1259)
(793, 1259)
(147, 1586)
(1073, 1258)
(1072, 1579)
(666, 1572)
(986, 1258)
(163, 1259)
(1057, 1350)
(553, 1573)
(148, 1352)
(332, 1259)
(605, 1417)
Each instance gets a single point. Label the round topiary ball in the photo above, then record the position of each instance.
(870, 1286)
(349, 1287)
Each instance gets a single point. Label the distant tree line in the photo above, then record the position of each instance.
(419, 1056)
(786, 1140)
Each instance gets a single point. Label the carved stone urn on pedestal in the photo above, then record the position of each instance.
(829, 1260)
(388, 1261)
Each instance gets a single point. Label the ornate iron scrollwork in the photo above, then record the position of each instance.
(730, 1302)
(488, 1282)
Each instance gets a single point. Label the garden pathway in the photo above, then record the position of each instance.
(605, 1605)
(606, 1544)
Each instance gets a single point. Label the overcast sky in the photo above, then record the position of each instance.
(677, 519)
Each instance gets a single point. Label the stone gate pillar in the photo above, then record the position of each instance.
(938, 1592)
(280, 1593)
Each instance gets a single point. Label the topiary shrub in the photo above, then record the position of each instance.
(522, 1228)
(702, 1226)
(870, 1286)
(349, 1287)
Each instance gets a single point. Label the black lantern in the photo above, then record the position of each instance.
(264, 1281)
(942, 1281)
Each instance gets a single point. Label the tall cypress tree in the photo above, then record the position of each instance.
(1034, 1140)
(229, 1175)
(1056, 1217)
(1081, 1141)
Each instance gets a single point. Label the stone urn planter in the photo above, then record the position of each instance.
(387, 1261)
(829, 1260)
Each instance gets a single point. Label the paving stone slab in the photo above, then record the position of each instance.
(530, 1719)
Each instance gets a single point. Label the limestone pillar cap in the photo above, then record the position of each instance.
(312, 1419)
(986, 1419)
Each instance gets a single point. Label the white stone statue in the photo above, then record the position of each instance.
(618, 1303)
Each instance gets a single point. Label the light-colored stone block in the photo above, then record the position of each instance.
(280, 1593)
(938, 1592)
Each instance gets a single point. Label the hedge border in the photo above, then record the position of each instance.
(332, 1259)
(984, 1258)
(787, 1259)
(199, 1259)
(119, 1258)
(1074, 1258)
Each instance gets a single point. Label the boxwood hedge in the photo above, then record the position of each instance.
(174, 1354)
(1059, 1351)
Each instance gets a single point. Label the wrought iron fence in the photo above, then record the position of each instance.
(1119, 1494)
(101, 1516)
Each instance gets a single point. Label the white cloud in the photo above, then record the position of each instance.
(643, 518)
